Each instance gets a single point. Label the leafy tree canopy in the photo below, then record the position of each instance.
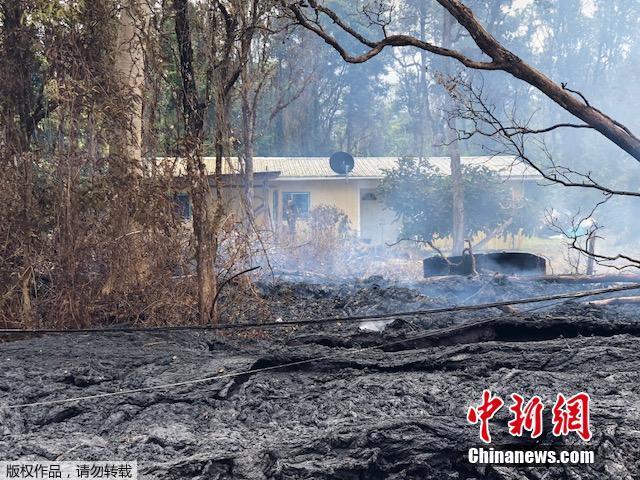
(421, 197)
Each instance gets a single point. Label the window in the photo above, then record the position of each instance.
(368, 196)
(296, 202)
(183, 206)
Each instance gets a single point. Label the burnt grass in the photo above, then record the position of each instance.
(394, 412)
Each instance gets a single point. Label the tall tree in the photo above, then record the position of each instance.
(126, 144)
(458, 229)
(22, 106)
(203, 210)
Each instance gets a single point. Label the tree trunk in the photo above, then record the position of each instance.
(457, 230)
(427, 133)
(591, 248)
(247, 146)
(126, 165)
(206, 245)
(201, 196)
(221, 135)
(348, 133)
(457, 188)
(130, 68)
(18, 127)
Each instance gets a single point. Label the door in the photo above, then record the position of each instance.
(370, 221)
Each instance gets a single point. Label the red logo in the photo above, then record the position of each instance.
(485, 412)
(526, 417)
(572, 415)
(569, 415)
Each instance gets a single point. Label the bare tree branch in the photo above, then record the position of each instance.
(483, 120)
(375, 47)
(501, 59)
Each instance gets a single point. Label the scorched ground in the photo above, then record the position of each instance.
(396, 412)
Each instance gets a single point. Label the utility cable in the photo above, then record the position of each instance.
(433, 333)
(345, 319)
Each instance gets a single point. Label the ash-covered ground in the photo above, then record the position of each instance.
(358, 412)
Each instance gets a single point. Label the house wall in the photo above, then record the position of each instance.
(345, 194)
(372, 222)
(341, 193)
(233, 204)
(233, 198)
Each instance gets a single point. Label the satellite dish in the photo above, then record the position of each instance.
(341, 163)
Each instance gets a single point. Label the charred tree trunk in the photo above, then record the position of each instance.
(192, 111)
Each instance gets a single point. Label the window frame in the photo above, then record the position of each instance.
(284, 204)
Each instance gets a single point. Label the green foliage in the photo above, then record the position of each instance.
(422, 198)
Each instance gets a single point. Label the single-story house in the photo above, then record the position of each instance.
(310, 181)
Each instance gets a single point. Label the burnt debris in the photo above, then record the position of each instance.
(506, 263)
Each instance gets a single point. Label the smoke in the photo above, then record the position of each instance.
(393, 105)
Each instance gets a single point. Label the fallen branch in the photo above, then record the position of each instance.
(615, 301)
(222, 285)
(573, 279)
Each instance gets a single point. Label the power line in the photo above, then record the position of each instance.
(446, 330)
(346, 319)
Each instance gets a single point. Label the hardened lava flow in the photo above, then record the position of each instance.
(385, 400)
